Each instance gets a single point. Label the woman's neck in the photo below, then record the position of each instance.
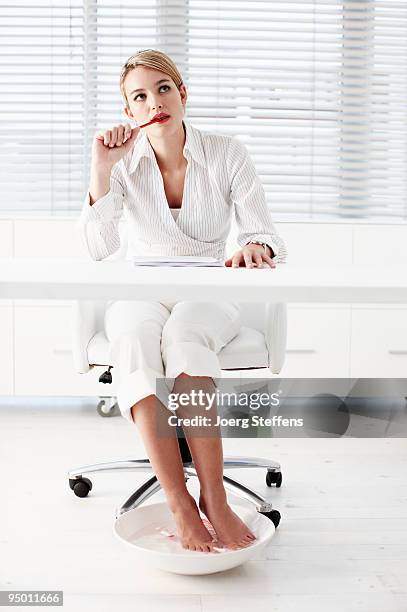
(169, 151)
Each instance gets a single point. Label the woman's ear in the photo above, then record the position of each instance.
(128, 112)
(183, 93)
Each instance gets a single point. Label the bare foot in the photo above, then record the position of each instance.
(230, 529)
(191, 530)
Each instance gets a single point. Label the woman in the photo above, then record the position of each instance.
(177, 187)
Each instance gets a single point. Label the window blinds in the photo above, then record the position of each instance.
(42, 105)
(317, 91)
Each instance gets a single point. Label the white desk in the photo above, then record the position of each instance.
(86, 280)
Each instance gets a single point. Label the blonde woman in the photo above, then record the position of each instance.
(177, 187)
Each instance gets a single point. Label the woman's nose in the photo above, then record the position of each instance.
(157, 105)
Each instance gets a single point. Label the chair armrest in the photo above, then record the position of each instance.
(84, 327)
(275, 333)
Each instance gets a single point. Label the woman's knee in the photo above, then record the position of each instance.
(143, 405)
(138, 319)
(140, 333)
(177, 331)
(206, 312)
(208, 325)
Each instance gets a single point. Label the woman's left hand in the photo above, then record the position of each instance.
(250, 256)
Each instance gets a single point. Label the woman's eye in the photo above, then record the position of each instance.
(138, 95)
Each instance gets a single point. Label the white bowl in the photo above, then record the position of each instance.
(145, 528)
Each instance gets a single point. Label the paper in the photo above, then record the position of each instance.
(177, 260)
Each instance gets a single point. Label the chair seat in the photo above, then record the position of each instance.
(247, 350)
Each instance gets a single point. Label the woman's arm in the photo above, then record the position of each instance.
(98, 223)
(252, 213)
(99, 184)
(103, 205)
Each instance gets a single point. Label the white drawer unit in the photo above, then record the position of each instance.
(7, 350)
(43, 355)
(379, 342)
(6, 239)
(317, 341)
(6, 248)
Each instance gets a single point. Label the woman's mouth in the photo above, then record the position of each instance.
(161, 117)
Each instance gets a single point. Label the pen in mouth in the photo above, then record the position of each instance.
(158, 118)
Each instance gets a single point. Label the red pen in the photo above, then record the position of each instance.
(157, 118)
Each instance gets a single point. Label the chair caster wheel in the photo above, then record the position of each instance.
(80, 486)
(106, 411)
(274, 517)
(274, 478)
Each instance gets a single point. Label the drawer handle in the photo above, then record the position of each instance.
(302, 351)
(398, 352)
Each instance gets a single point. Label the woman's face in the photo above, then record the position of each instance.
(151, 91)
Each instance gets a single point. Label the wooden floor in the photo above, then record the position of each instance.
(341, 544)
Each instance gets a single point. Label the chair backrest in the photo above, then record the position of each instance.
(253, 315)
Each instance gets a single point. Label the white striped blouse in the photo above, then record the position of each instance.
(220, 178)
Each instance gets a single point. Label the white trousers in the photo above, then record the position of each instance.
(151, 340)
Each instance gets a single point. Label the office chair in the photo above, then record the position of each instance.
(261, 343)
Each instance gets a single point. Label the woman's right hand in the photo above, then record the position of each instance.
(110, 146)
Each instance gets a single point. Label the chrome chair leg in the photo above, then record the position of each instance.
(130, 465)
(147, 489)
(251, 496)
(245, 462)
(126, 465)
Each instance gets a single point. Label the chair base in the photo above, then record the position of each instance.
(152, 486)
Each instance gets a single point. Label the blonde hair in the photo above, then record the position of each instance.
(151, 58)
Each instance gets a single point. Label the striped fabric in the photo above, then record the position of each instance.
(220, 177)
(175, 212)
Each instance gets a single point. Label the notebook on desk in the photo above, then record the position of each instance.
(177, 260)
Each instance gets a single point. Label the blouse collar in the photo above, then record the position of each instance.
(193, 145)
